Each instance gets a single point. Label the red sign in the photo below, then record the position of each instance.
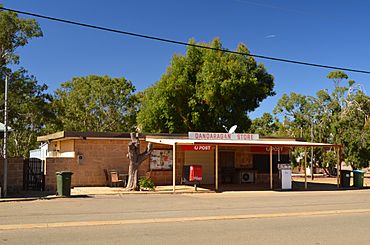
(197, 147)
(267, 148)
(195, 173)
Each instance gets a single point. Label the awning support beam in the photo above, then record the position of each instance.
(305, 168)
(174, 167)
(271, 180)
(216, 169)
(339, 165)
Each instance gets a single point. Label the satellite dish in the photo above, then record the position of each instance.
(225, 128)
(232, 129)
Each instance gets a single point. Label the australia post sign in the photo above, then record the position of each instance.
(196, 147)
(221, 136)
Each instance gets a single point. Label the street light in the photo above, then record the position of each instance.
(5, 151)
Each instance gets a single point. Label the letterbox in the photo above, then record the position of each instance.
(195, 173)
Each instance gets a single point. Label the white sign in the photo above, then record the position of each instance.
(284, 166)
(221, 136)
(161, 160)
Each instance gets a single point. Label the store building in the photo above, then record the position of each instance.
(225, 159)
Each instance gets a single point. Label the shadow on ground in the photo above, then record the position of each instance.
(90, 192)
(29, 194)
(300, 186)
(38, 194)
(296, 186)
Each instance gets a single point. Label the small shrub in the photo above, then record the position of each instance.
(146, 184)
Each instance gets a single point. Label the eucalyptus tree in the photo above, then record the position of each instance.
(353, 122)
(338, 117)
(205, 90)
(96, 103)
(29, 112)
(295, 109)
(266, 125)
(28, 107)
(15, 32)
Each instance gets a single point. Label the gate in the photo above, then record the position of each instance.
(33, 175)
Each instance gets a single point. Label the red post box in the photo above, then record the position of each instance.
(195, 173)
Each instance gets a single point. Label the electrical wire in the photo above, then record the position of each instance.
(186, 44)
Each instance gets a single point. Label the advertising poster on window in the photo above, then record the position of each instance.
(161, 160)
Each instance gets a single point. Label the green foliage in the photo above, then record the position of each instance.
(146, 184)
(28, 112)
(28, 104)
(15, 32)
(295, 108)
(96, 103)
(337, 76)
(329, 158)
(329, 161)
(266, 125)
(352, 126)
(204, 90)
(339, 117)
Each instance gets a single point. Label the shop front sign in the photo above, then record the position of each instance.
(221, 136)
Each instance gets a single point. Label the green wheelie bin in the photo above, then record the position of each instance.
(64, 179)
(358, 178)
(345, 178)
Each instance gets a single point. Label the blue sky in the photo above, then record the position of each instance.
(331, 32)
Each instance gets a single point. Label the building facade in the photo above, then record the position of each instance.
(225, 159)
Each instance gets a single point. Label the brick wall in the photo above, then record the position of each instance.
(101, 154)
(15, 174)
(96, 155)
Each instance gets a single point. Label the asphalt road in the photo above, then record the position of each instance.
(335, 217)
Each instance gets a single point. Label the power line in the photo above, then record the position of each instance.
(185, 44)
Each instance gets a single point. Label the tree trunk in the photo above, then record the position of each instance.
(136, 158)
(132, 177)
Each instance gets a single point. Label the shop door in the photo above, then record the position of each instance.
(227, 166)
